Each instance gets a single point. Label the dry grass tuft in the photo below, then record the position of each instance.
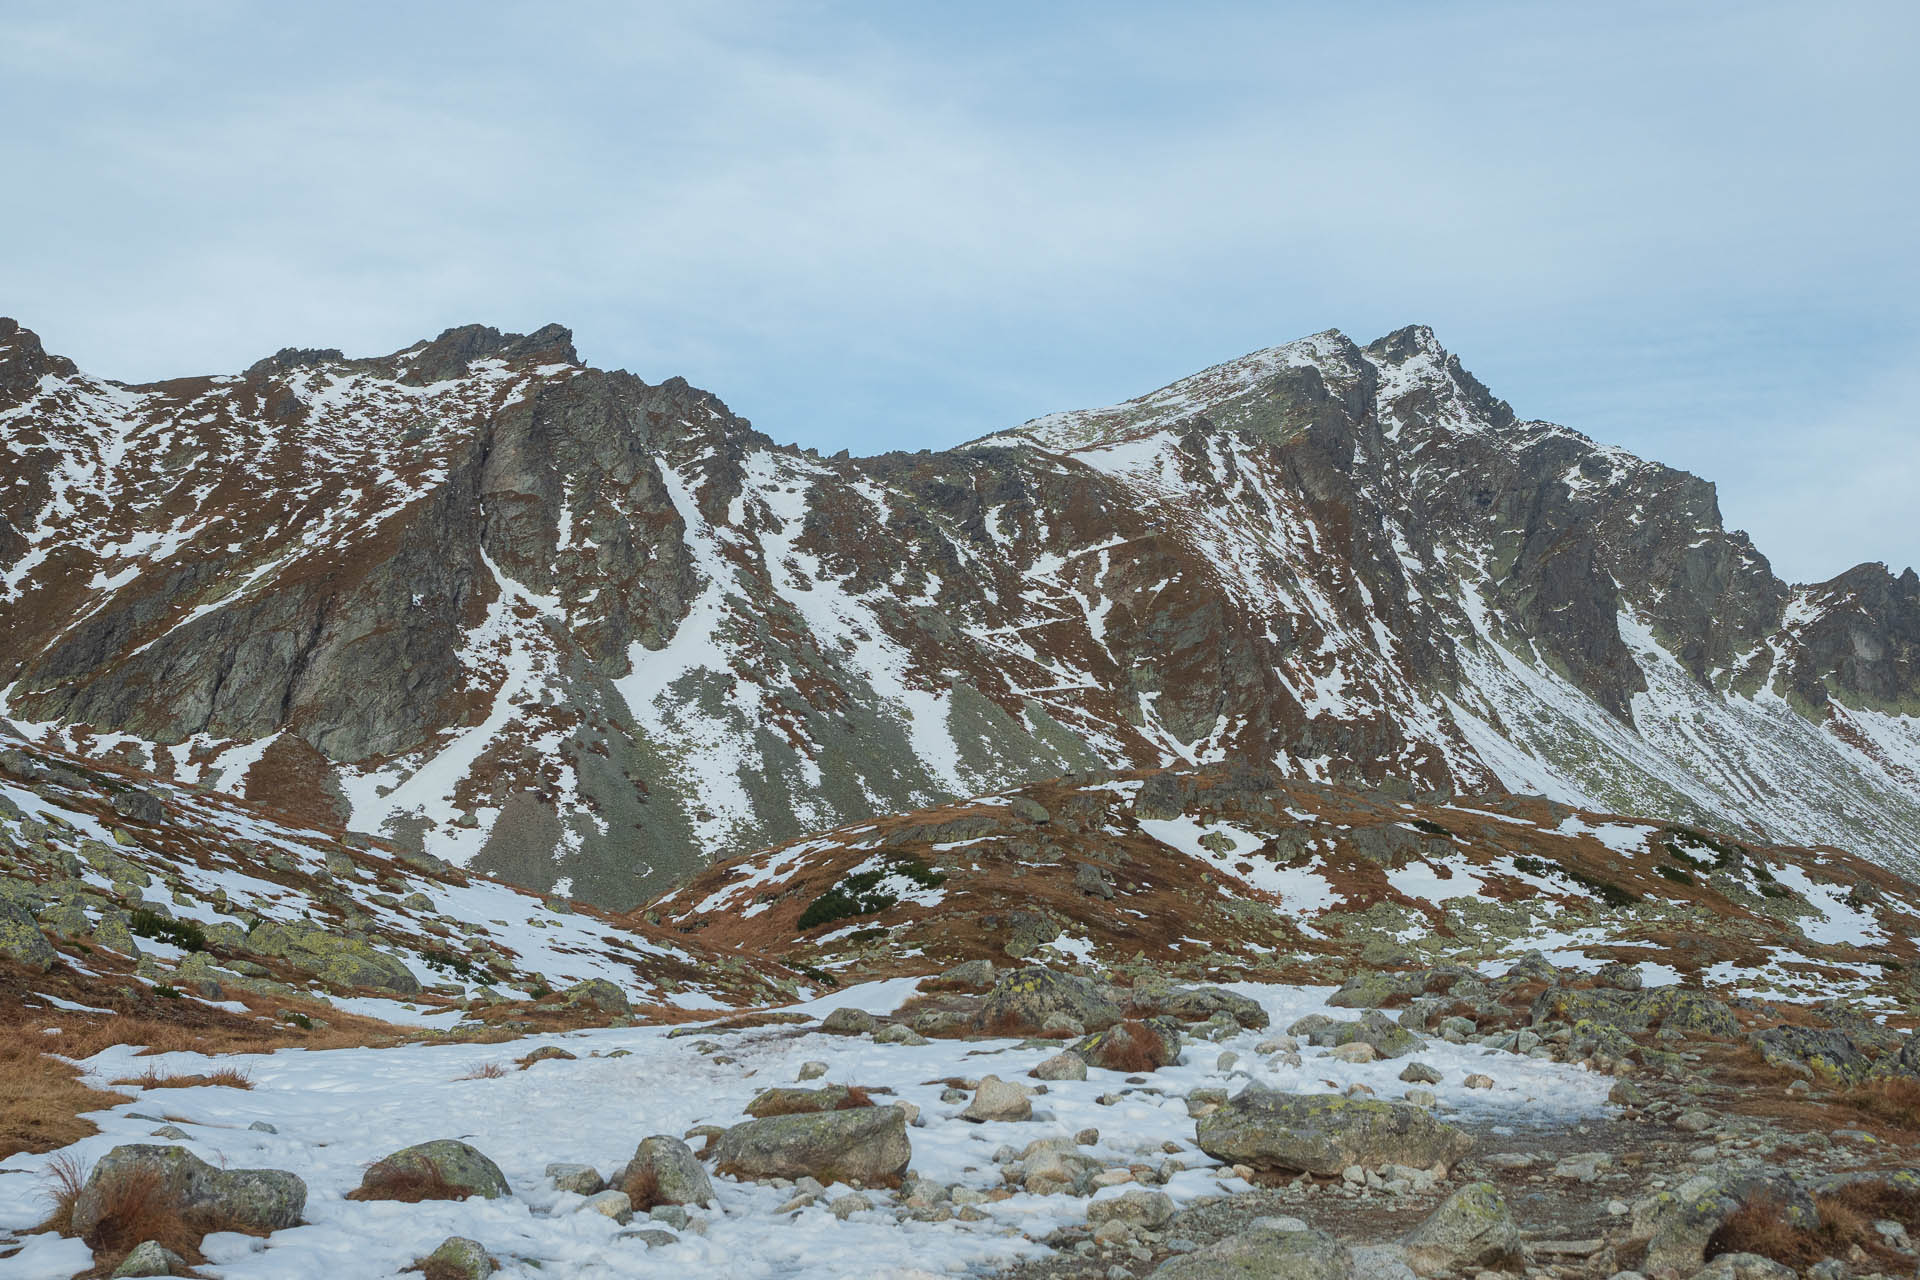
(225, 1078)
(137, 1206)
(65, 1177)
(856, 1097)
(486, 1071)
(643, 1189)
(407, 1183)
(1132, 1047)
(1760, 1228)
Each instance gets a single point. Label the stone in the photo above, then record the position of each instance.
(1676, 1225)
(1419, 1073)
(865, 1146)
(1149, 1209)
(672, 1215)
(21, 940)
(462, 1167)
(254, 1200)
(1324, 1133)
(847, 1205)
(609, 1204)
(140, 806)
(581, 1179)
(1153, 995)
(1472, 1229)
(812, 1070)
(1132, 1046)
(1478, 1081)
(1626, 1094)
(598, 994)
(1745, 1266)
(1354, 1051)
(1021, 1001)
(999, 1100)
(677, 1174)
(786, 1100)
(1263, 1253)
(457, 1258)
(898, 1033)
(974, 975)
(150, 1258)
(849, 1022)
(1066, 1065)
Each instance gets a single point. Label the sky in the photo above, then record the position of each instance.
(1685, 229)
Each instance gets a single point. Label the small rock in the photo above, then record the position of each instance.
(812, 1070)
(1419, 1073)
(1062, 1066)
(849, 1022)
(998, 1099)
(581, 1179)
(851, 1203)
(457, 1258)
(609, 1204)
(150, 1258)
(1478, 1081)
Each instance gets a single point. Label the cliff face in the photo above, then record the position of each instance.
(571, 627)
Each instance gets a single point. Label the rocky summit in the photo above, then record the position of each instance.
(467, 813)
(584, 632)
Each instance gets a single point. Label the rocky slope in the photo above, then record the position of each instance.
(590, 634)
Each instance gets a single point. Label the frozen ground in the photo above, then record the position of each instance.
(338, 1111)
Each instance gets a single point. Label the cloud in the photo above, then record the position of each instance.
(872, 225)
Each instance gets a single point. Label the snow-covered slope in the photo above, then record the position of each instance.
(587, 633)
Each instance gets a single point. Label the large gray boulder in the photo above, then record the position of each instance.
(21, 940)
(676, 1173)
(1156, 995)
(1022, 1000)
(1472, 1230)
(1263, 1253)
(864, 1147)
(463, 1169)
(1676, 1225)
(1324, 1133)
(252, 1200)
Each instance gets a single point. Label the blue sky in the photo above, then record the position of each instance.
(1686, 229)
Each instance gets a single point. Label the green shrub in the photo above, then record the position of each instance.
(185, 934)
(861, 894)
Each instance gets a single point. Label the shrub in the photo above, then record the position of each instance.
(446, 962)
(642, 1186)
(185, 934)
(862, 895)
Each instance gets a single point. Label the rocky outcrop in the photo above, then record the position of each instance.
(863, 1147)
(252, 1200)
(1325, 1133)
(558, 623)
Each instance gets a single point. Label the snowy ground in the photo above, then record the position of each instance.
(338, 1111)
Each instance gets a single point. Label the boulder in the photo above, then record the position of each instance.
(1325, 1133)
(786, 1100)
(1137, 1208)
(1021, 1000)
(1676, 1225)
(457, 1258)
(1675, 1013)
(581, 1179)
(1472, 1230)
(849, 1022)
(1154, 995)
(464, 1170)
(1813, 1052)
(1263, 1253)
(1132, 1046)
(999, 1100)
(151, 1258)
(599, 994)
(21, 940)
(1375, 990)
(867, 1146)
(974, 975)
(140, 806)
(253, 1200)
(1387, 1038)
(1066, 1065)
(675, 1172)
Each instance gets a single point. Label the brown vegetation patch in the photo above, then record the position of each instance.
(485, 1071)
(136, 1205)
(1847, 1215)
(642, 1186)
(408, 1183)
(1893, 1100)
(42, 1106)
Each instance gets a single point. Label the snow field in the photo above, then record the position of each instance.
(338, 1111)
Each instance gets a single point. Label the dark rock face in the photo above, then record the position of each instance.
(593, 631)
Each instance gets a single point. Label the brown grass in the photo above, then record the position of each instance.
(1894, 1100)
(856, 1098)
(643, 1189)
(65, 1177)
(407, 1183)
(44, 1100)
(225, 1078)
(486, 1071)
(1131, 1047)
(1847, 1216)
(136, 1206)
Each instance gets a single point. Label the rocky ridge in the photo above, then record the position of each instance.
(589, 633)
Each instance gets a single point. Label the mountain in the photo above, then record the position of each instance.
(591, 634)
